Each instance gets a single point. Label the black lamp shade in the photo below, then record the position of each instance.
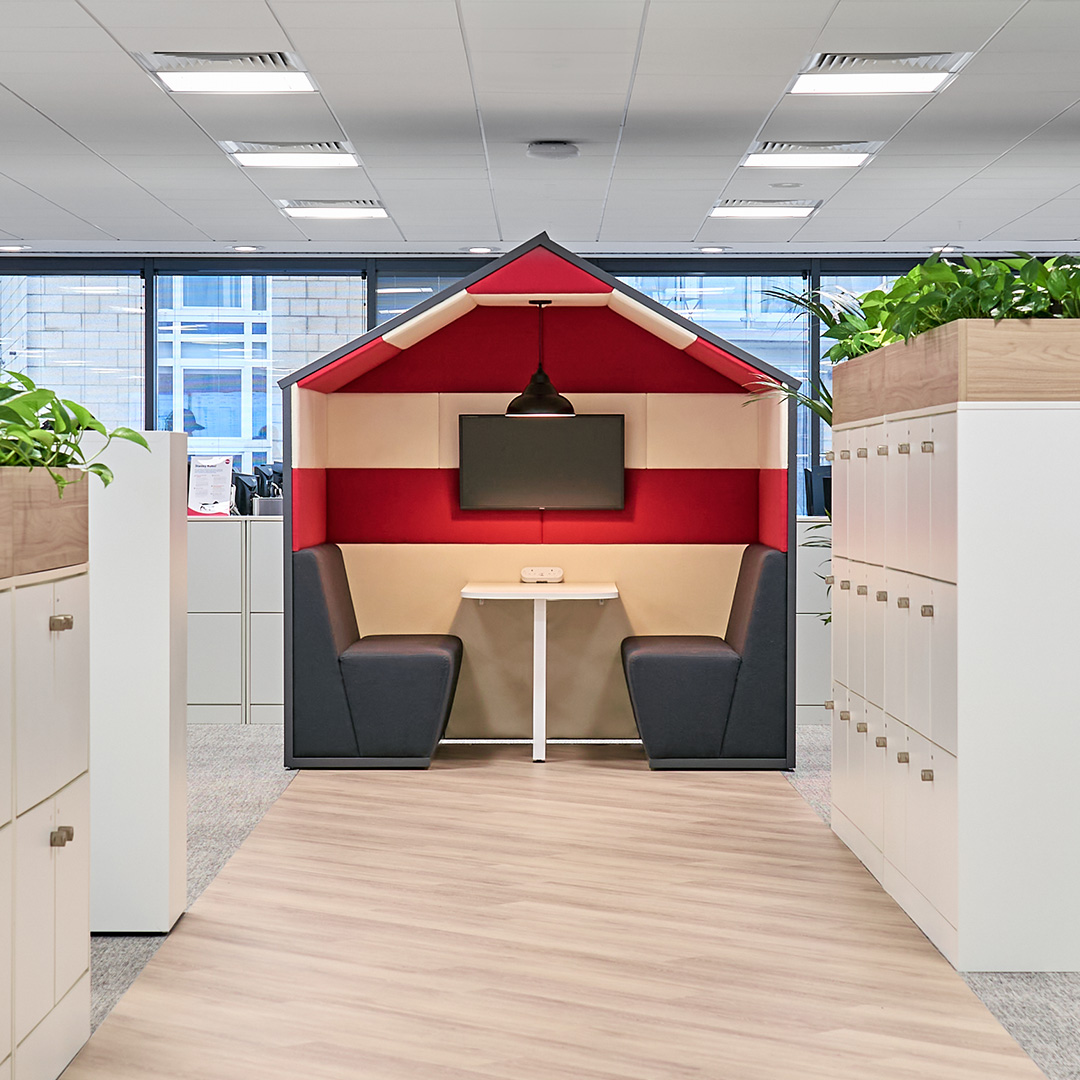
(540, 398)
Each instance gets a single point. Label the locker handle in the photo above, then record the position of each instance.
(861, 590)
(68, 832)
(882, 595)
(861, 452)
(844, 714)
(903, 757)
(883, 451)
(59, 837)
(881, 741)
(829, 579)
(928, 447)
(861, 728)
(830, 456)
(830, 705)
(845, 584)
(904, 448)
(903, 601)
(61, 622)
(926, 774)
(845, 455)
(927, 611)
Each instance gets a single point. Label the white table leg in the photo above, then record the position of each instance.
(539, 679)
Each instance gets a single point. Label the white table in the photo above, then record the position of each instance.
(540, 594)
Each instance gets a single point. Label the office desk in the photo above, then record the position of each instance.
(540, 594)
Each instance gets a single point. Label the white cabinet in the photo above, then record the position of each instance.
(235, 621)
(841, 517)
(45, 844)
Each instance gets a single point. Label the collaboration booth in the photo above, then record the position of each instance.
(604, 556)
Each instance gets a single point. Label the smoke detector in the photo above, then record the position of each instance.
(552, 149)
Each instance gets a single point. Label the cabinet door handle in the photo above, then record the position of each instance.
(926, 774)
(830, 456)
(904, 448)
(881, 741)
(861, 452)
(883, 451)
(861, 590)
(903, 757)
(829, 579)
(844, 714)
(845, 584)
(68, 832)
(882, 595)
(903, 601)
(927, 611)
(61, 622)
(57, 838)
(830, 705)
(861, 728)
(928, 447)
(845, 455)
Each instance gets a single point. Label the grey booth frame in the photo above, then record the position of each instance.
(543, 241)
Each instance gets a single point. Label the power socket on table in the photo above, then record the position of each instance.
(535, 574)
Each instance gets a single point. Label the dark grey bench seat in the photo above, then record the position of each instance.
(381, 701)
(704, 702)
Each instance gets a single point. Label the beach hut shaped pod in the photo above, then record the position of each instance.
(371, 464)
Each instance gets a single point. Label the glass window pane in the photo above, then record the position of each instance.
(263, 329)
(396, 293)
(737, 309)
(81, 336)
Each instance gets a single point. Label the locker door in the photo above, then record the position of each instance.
(857, 728)
(920, 430)
(841, 630)
(841, 773)
(894, 786)
(920, 826)
(38, 769)
(6, 855)
(6, 670)
(942, 882)
(874, 500)
(840, 467)
(920, 625)
(71, 697)
(73, 886)
(35, 917)
(898, 442)
(897, 614)
(874, 775)
(856, 493)
(857, 629)
(943, 497)
(943, 666)
(876, 603)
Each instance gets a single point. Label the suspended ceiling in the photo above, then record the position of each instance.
(440, 98)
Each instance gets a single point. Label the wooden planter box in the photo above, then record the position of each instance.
(966, 360)
(38, 529)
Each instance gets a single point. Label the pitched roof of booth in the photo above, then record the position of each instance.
(539, 267)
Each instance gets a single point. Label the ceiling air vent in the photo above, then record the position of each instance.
(219, 61)
(774, 147)
(228, 73)
(764, 208)
(286, 148)
(332, 209)
(885, 63)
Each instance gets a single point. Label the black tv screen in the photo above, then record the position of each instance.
(541, 462)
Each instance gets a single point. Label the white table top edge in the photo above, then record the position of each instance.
(543, 590)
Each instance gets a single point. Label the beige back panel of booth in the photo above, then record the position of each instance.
(664, 589)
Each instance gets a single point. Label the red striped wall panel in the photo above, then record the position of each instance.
(308, 507)
(773, 508)
(586, 350)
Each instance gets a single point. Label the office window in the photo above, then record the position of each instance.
(737, 309)
(79, 335)
(395, 293)
(224, 342)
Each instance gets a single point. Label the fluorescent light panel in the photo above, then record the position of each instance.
(805, 161)
(286, 160)
(860, 82)
(236, 82)
(761, 211)
(334, 213)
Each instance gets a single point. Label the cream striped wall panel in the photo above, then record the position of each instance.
(308, 428)
(415, 588)
(383, 431)
(772, 413)
(702, 431)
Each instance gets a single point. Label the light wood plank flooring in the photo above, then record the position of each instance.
(493, 919)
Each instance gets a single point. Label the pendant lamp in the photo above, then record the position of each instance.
(540, 398)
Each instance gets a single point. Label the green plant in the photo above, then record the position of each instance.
(39, 429)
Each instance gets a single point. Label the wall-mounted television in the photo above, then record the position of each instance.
(541, 462)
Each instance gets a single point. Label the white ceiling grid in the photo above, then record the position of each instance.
(440, 98)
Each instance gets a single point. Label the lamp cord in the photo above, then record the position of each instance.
(540, 305)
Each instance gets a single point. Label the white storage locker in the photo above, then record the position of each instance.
(841, 773)
(876, 602)
(943, 494)
(215, 562)
(856, 493)
(72, 865)
(7, 659)
(874, 498)
(840, 514)
(7, 853)
(921, 434)
(919, 645)
(841, 604)
(897, 616)
(894, 788)
(898, 442)
(872, 804)
(943, 659)
(857, 628)
(35, 918)
(215, 658)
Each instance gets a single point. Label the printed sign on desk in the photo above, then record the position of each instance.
(210, 487)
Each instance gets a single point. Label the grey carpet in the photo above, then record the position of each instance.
(235, 774)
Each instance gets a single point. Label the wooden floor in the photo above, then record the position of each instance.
(492, 919)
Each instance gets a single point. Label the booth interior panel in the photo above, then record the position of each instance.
(309, 422)
(383, 431)
(772, 417)
(539, 271)
(415, 588)
(731, 367)
(632, 407)
(308, 507)
(773, 517)
(430, 321)
(349, 366)
(586, 350)
(660, 325)
(702, 431)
